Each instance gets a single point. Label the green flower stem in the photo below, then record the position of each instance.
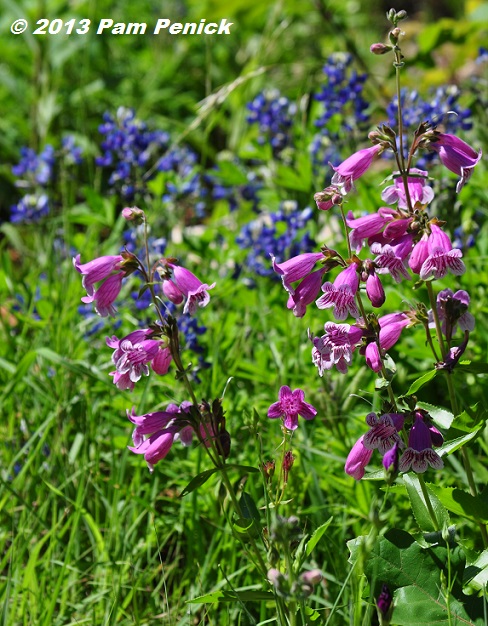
(438, 329)
(428, 502)
(455, 408)
(349, 250)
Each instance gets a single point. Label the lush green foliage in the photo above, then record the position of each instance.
(87, 534)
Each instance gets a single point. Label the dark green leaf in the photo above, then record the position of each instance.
(419, 507)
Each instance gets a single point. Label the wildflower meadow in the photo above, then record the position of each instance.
(243, 313)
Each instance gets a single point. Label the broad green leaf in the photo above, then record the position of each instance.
(423, 579)
(451, 446)
(420, 382)
(471, 418)
(316, 536)
(476, 575)
(198, 481)
(233, 596)
(419, 507)
(248, 507)
(463, 503)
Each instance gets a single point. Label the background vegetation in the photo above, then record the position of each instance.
(87, 535)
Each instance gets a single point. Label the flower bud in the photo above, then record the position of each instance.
(380, 48)
(133, 214)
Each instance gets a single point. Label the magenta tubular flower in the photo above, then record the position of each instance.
(106, 294)
(374, 290)
(373, 357)
(368, 226)
(335, 347)
(341, 295)
(391, 327)
(354, 167)
(419, 254)
(195, 292)
(383, 432)
(391, 458)
(457, 156)
(419, 454)
(305, 293)
(357, 459)
(156, 432)
(131, 357)
(290, 405)
(442, 257)
(172, 292)
(392, 257)
(418, 190)
(296, 268)
(96, 270)
(161, 362)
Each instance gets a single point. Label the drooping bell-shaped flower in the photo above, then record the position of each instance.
(341, 294)
(354, 167)
(357, 459)
(419, 454)
(442, 257)
(457, 156)
(335, 347)
(418, 189)
(296, 268)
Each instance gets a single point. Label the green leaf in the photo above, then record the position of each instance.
(248, 507)
(471, 418)
(245, 528)
(198, 481)
(316, 536)
(442, 417)
(462, 503)
(472, 368)
(476, 575)
(421, 578)
(420, 382)
(451, 446)
(419, 507)
(233, 596)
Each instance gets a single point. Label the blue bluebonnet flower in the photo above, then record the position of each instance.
(128, 148)
(274, 114)
(342, 96)
(30, 208)
(343, 87)
(184, 181)
(245, 186)
(442, 106)
(35, 173)
(277, 234)
(482, 55)
(34, 169)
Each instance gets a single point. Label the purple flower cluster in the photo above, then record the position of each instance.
(35, 173)
(342, 98)
(276, 234)
(383, 435)
(274, 114)
(128, 149)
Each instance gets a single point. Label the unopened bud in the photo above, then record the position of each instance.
(380, 48)
(288, 461)
(312, 577)
(133, 214)
(268, 469)
(394, 35)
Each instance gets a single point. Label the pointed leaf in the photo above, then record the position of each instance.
(419, 507)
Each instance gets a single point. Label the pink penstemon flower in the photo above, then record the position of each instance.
(420, 454)
(335, 347)
(189, 287)
(289, 406)
(341, 294)
(354, 167)
(457, 156)
(441, 256)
